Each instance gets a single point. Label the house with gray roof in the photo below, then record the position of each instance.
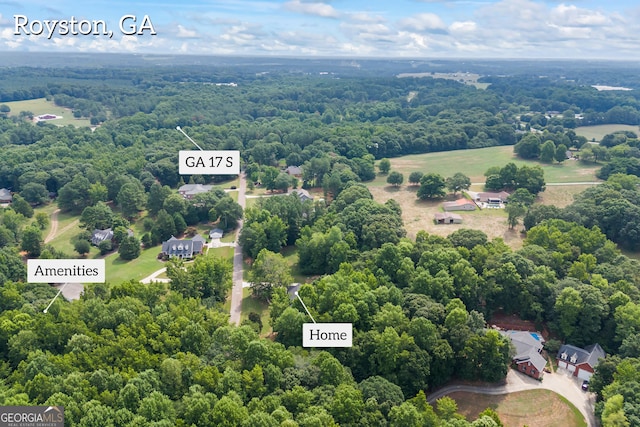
(528, 347)
(581, 362)
(185, 248)
(101, 235)
(216, 233)
(303, 194)
(189, 191)
(5, 196)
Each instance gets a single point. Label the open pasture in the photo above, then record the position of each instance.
(597, 132)
(418, 215)
(41, 106)
(474, 163)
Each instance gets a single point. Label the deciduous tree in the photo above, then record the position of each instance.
(431, 186)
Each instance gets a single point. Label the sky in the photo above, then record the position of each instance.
(581, 29)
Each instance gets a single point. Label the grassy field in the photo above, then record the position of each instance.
(474, 164)
(119, 271)
(42, 106)
(518, 409)
(251, 304)
(596, 133)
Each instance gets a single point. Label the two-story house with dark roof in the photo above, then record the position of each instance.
(581, 362)
(185, 249)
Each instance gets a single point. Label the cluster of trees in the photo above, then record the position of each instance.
(531, 146)
(127, 355)
(611, 206)
(511, 177)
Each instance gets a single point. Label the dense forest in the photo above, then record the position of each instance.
(128, 354)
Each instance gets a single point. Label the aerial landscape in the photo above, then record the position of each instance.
(207, 219)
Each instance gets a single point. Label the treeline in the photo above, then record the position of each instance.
(560, 95)
(128, 355)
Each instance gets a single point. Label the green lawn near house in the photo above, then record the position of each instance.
(119, 270)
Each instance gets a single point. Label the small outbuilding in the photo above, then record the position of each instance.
(447, 218)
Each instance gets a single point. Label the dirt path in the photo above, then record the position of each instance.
(54, 226)
(236, 291)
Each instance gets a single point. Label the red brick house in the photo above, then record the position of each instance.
(527, 359)
(581, 362)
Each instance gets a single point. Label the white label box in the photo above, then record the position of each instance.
(66, 270)
(327, 334)
(216, 162)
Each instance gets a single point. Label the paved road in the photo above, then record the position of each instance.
(236, 291)
(153, 277)
(560, 382)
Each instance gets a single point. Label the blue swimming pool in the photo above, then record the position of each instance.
(536, 336)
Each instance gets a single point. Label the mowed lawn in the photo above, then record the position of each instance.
(119, 270)
(597, 132)
(474, 163)
(539, 408)
(42, 106)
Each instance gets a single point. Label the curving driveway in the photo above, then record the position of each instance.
(560, 382)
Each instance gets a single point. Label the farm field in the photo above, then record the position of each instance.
(597, 132)
(418, 215)
(42, 106)
(474, 164)
(516, 409)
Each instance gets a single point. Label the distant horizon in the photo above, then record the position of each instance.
(304, 58)
(354, 29)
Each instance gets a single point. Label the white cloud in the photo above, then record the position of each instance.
(571, 16)
(184, 33)
(423, 22)
(461, 27)
(365, 17)
(317, 9)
